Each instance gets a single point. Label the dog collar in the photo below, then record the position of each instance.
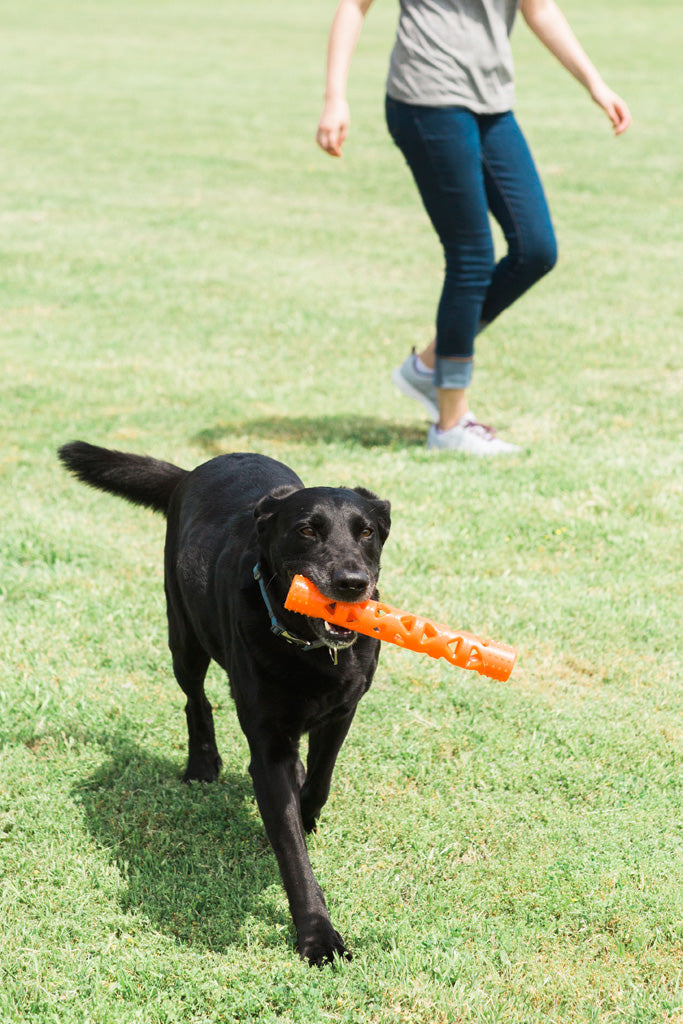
(276, 626)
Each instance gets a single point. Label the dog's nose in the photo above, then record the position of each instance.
(350, 584)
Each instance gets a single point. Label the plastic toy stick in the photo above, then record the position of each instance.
(372, 618)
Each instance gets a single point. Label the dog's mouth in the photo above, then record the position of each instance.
(335, 637)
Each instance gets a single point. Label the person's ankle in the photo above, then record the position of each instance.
(453, 405)
(422, 367)
(452, 420)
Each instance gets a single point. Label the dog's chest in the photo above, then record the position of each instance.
(312, 699)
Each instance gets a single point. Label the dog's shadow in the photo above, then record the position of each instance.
(361, 431)
(193, 859)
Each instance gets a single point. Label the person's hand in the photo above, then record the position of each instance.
(613, 105)
(333, 126)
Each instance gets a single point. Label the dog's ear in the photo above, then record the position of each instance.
(381, 510)
(268, 505)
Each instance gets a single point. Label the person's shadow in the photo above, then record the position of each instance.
(360, 431)
(195, 859)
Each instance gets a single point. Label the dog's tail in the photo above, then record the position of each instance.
(137, 478)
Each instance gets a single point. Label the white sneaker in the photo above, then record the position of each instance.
(470, 436)
(416, 384)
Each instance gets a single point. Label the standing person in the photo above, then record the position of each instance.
(450, 92)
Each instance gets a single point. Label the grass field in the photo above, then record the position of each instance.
(184, 274)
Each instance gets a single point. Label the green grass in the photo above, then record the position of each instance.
(184, 274)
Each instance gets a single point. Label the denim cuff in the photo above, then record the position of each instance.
(453, 373)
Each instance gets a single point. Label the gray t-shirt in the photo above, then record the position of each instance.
(451, 53)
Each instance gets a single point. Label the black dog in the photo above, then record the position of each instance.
(239, 528)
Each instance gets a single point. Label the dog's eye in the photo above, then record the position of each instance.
(307, 531)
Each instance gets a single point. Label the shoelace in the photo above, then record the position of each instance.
(481, 429)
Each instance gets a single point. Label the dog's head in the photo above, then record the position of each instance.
(331, 535)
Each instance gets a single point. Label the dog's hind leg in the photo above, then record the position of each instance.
(324, 744)
(190, 665)
(203, 760)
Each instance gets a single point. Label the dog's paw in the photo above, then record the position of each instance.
(203, 768)
(322, 946)
(310, 822)
(310, 812)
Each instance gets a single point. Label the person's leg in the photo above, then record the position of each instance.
(517, 201)
(442, 148)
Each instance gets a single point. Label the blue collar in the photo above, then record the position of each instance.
(276, 626)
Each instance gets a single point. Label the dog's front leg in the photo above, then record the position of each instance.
(324, 743)
(277, 794)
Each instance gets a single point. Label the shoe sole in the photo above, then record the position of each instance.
(482, 453)
(493, 451)
(407, 389)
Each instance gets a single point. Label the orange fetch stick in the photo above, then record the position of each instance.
(372, 618)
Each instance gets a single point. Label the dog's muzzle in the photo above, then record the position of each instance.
(335, 638)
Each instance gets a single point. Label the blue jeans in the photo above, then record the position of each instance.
(466, 165)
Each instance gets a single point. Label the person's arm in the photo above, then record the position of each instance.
(546, 20)
(334, 120)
